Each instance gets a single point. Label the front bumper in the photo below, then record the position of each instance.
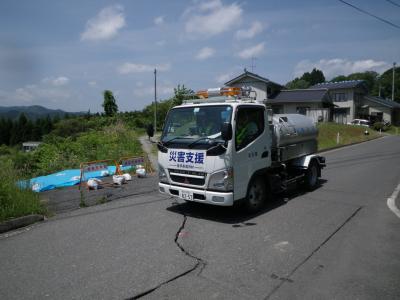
(202, 196)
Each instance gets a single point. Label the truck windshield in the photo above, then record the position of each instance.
(187, 124)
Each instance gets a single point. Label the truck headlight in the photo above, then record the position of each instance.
(221, 180)
(162, 175)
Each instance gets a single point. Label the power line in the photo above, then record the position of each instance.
(369, 14)
(394, 3)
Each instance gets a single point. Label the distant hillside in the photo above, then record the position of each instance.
(32, 112)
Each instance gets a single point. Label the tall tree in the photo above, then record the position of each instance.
(37, 130)
(21, 131)
(370, 78)
(47, 125)
(297, 83)
(180, 93)
(109, 104)
(316, 76)
(339, 78)
(4, 132)
(306, 80)
(385, 83)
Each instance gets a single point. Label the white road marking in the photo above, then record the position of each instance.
(391, 201)
(282, 246)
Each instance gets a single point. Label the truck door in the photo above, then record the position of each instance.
(252, 144)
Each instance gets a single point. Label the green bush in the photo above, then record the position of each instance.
(57, 153)
(5, 150)
(380, 126)
(15, 201)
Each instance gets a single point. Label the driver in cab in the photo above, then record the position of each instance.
(245, 130)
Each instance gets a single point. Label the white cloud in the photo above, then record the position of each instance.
(252, 51)
(210, 5)
(205, 53)
(212, 18)
(92, 83)
(224, 77)
(105, 25)
(159, 20)
(254, 29)
(339, 66)
(24, 94)
(58, 81)
(40, 93)
(127, 68)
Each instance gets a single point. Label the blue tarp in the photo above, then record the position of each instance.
(64, 178)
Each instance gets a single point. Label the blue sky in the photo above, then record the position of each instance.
(63, 54)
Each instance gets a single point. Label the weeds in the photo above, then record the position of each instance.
(101, 200)
(82, 202)
(16, 201)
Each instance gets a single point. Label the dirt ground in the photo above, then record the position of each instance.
(70, 198)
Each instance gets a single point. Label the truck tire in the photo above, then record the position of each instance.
(256, 195)
(311, 175)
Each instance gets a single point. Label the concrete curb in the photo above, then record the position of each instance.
(20, 222)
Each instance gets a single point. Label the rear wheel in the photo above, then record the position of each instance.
(311, 176)
(256, 195)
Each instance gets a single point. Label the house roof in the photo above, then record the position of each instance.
(251, 75)
(348, 84)
(382, 101)
(31, 143)
(301, 96)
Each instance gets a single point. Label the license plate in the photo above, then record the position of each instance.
(187, 195)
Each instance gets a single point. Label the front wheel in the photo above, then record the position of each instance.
(311, 176)
(256, 195)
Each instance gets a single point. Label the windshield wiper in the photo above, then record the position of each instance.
(200, 139)
(173, 139)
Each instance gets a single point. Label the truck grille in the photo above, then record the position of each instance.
(187, 177)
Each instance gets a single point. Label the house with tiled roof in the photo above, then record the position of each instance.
(263, 87)
(347, 98)
(376, 109)
(314, 103)
(351, 101)
(340, 102)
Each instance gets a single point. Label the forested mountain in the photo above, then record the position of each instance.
(33, 112)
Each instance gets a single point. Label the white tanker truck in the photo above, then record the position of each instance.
(227, 148)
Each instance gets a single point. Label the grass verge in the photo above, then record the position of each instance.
(328, 132)
(395, 130)
(14, 201)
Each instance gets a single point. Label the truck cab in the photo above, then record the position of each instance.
(217, 150)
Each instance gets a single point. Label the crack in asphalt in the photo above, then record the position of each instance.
(200, 264)
(287, 278)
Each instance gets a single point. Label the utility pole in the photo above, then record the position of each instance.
(155, 100)
(253, 65)
(379, 95)
(394, 67)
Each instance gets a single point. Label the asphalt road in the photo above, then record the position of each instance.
(339, 241)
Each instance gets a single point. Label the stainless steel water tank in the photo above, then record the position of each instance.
(292, 129)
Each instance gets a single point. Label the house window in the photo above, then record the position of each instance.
(339, 97)
(302, 110)
(277, 109)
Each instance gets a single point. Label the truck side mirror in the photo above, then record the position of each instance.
(226, 131)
